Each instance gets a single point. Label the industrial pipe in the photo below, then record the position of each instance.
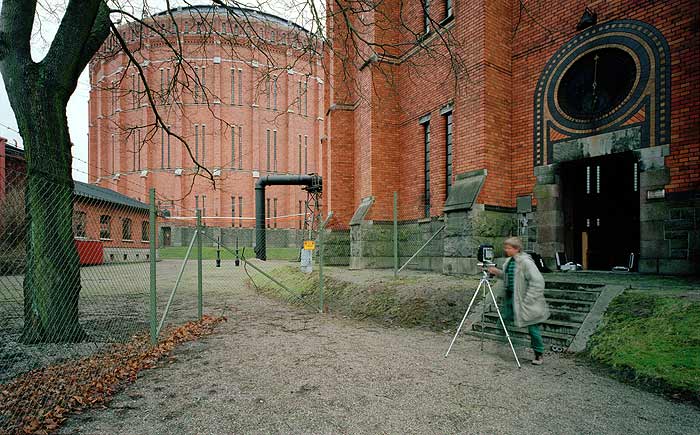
(310, 181)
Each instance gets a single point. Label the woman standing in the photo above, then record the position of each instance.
(524, 302)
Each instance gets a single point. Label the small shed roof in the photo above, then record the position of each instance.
(91, 191)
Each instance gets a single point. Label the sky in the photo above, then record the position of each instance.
(77, 111)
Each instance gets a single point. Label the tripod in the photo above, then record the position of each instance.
(483, 284)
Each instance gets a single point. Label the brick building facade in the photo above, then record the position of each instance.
(247, 98)
(108, 227)
(582, 123)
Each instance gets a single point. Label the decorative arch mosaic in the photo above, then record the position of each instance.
(606, 90)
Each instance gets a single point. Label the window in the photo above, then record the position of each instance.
(233, 146)
(426, 16)
(272, 36)
(145, 231)
(114, 98)
(204, 205)
(203, 85)
(267, 135)
(133, 151)
(426, 139)
(240, 211)
(448, 153)
(162, 84)
(167, 97)
(196, 141)
(133, 91)
(275, 212)
(274, 150)
(138, 91)
(140, 145)
(268, 213)
(233, 211)
(240, 147)
(113, 153)
(204, 144)
(79, 220)
(162, 148)
(301, 211)
(196, 85)
(168, 148)
(306, 98)
(268, 92)
(233, 86)
(126, 229)
(306, 154)
(240, 87)
(300, 154)
(299, 97)
(196, 202)
(448, 8)
(274, 94)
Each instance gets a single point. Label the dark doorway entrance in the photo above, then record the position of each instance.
(167, 238)
(601, 210)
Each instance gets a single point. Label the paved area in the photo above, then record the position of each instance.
(273, 368)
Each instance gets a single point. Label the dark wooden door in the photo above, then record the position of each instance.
(601, 198)
(166, 236)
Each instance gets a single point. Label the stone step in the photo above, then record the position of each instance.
(558, 326)
(570, 305)
(567, 316)
(578, 295)
(521, 334)
(573, 286)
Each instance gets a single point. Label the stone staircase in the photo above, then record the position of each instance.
(569, 304)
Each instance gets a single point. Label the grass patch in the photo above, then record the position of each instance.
(653, 339)
(406, 301)
(209, 253)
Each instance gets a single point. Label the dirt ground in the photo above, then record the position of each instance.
(276, 368)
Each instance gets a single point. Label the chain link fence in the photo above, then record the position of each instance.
(79, 290)
(68, 287)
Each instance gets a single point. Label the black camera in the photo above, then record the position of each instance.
(485, 255)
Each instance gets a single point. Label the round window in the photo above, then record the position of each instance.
(596, 84)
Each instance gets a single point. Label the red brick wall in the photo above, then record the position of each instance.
(93, 210)
(502, 49)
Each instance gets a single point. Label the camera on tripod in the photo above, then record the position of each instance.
(485, 256)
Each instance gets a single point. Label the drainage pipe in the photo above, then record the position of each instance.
(312, 182)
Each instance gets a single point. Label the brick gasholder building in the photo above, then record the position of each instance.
(583, 124)
(245, 112)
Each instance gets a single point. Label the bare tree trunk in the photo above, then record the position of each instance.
(39, 93)
(52, 279)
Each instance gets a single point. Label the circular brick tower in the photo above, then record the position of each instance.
(245, 96)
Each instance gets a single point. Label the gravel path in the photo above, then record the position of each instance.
(273, 368)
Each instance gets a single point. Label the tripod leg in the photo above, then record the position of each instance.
(517, 361)
(483, 310)
(476, 292)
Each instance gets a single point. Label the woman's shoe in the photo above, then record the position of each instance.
(538, 360)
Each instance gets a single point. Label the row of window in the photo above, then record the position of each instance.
(199, 90)
(200, 149)
(426, 160)
(80, 227)
(137, 32)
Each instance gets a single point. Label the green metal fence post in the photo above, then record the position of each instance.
(153, 244)
(396, 234)
(199, 264)
(320, 268)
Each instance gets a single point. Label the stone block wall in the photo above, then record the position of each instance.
(467, 229)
